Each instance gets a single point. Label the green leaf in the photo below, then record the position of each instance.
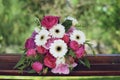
(81, 62)
(32, 71)
(85, 62)
(90, 45)
(37, 21)
(45, 70)
(71, 53)
(21, 61)
(22, 67)
(67, 24)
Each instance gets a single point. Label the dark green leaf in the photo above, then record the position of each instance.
(81, 62)
(45, 70)
(37, 21)
(21, 61)
(31, 71)
(87, 63)
(90, 45)
(72, 53)
(22, 67)
(67, 24)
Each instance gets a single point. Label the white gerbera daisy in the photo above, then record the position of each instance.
(57, 31)
(74, 21)
(60, 60)
(42, 37)
(58, 48)
(78, 36)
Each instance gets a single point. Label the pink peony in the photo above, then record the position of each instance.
(49, 21)
(41, 50)
(74, 45)
(66, 38)
(61, 69)
(37, 66)
(31, 52)
(80, 52)
(49, 61)
(30, 44)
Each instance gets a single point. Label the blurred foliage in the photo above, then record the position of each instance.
(99, 20)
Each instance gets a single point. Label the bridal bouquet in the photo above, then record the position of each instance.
(56, 47)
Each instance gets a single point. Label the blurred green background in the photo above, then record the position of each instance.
(99, 19)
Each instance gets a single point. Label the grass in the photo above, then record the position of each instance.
(61, 77)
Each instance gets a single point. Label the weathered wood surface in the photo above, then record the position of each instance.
(101, 65)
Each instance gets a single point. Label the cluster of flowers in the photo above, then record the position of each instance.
(53, 43)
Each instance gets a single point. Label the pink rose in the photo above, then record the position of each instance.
(66, 38)
(49, 21)
(30, 44)
(31, 52)
(61, 69)
(49, 61)
(37, 66)
(41, 50)
(74, 45)
(80, 52)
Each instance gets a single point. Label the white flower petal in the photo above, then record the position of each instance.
(60, 60)
(58, 48)
(57, 31)
(42, 37)
(78, 36)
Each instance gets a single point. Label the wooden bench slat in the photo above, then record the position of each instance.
(101, 65)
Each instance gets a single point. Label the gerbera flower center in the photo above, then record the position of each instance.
(57, 31)
(42, 37)
(77, 37)
(58, 48)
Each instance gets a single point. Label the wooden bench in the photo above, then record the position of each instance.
(101, 65)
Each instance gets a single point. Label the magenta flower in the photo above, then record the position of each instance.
(61, 69)
(34, 34)
(49, 21)
(74, 45)
(31, 52)
(72, 28)
(80, 52)
(37, 66)
(49, 61)
(66, 38)
(41, 50)
(30, 44)
(49, 41)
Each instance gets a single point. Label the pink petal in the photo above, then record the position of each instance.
(61, 69)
